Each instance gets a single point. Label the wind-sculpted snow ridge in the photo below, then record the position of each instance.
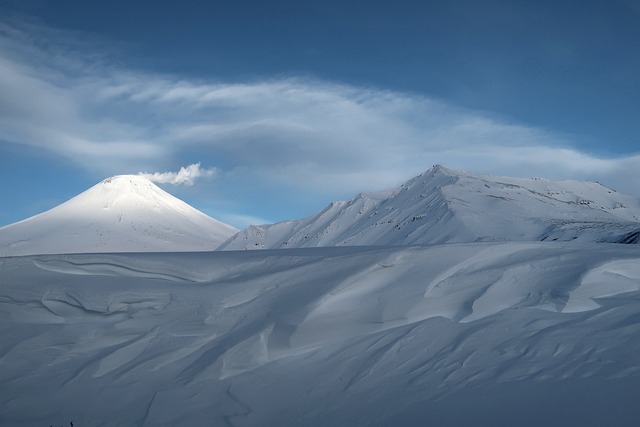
(126, 213)
(447, 206)
(518, 333)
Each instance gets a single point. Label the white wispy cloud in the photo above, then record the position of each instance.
(302, 134)
(187, 175)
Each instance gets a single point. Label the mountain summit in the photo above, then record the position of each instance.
(125, 213)
(444, 206)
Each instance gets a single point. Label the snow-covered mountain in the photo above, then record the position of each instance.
(444, 205)
(524, 333)
(484, 334)
(125, 213)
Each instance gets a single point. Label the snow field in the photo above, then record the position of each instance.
(320, 337)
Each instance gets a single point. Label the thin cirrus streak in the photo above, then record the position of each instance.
(300, 133)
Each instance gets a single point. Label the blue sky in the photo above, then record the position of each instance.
(287, 105)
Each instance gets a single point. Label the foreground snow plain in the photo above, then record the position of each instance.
(516, 333)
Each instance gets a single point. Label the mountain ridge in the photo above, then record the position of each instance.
(443, 205)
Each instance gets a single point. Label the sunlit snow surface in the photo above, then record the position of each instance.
(487, 334)
(125, 213)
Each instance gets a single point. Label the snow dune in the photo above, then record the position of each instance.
(431, 335)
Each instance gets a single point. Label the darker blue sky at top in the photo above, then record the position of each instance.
(570, 66)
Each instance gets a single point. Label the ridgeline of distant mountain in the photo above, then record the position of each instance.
(129, 213)
(447, 206)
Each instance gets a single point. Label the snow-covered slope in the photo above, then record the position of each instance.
(487, 334)
(444, 205)
(125, 213)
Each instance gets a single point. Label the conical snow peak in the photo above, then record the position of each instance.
(123, 213)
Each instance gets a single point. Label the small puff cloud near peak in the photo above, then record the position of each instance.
(185, 176)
